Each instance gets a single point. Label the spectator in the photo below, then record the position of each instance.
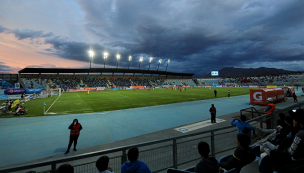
(242, 156)
(269, 109)
(134, 166)
(102, 165)
(242, 125)
(207, 164)
(281, 121)
(296, 150)
(65, 168)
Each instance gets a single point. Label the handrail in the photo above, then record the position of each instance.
(124, 148)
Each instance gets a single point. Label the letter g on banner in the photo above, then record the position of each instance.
(257, 96)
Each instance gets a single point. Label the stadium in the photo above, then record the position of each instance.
(144, 86)
(166, 114)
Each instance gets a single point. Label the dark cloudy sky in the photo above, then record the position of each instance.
(196, 35)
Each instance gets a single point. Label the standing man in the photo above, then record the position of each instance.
(215, 93)
(212, 111)
(295, 98)
(74, 134)
(229, 93)
(269, 109)
(88, 91)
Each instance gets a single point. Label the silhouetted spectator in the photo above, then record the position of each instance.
(102, 165)
(295, 98)
(134, 166)
(207, 164)
(242, 156)
(65, 168)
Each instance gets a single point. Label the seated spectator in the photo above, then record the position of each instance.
(65, 168)
(295, 151)
(281, 121)
(134, 166)
(242, 125)
(207, 164)
(102, 165)
(242, 156)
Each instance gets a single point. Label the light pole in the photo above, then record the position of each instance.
(140, 60)
(159, 63)
(130, 59)
(105, 55)
(91, 54)
(150, 60)
(118, 57)
(168, 64)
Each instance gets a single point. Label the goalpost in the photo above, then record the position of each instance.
(56, 91)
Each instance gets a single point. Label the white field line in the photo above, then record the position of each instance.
(78, 95)
(52, 105)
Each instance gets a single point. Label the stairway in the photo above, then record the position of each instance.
(131, 82)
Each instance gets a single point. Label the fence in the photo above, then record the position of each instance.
(176, 152)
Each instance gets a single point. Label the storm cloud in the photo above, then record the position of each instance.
(197, 36)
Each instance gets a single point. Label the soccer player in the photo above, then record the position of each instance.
(88, 91)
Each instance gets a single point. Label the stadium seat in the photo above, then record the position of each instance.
(171, 170)
(225, 159)
(252, 167)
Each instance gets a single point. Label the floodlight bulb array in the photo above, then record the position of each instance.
(130, 58)
(118, 56)
(140, 59)
(91, 53)
(160, 60)
(150, 59)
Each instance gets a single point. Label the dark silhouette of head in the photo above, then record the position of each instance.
(102, 163)
(76, 121)
(65, 168)
(203, 149)
(212, 105)
(243, 140)
(133, 154)
(243, 118)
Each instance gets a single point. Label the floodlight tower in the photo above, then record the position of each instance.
(130, 59)
(150, 60)
(91, 54)
(140, 60)
(160, 60)
(105, 55)
(168, 64)
(118, 57)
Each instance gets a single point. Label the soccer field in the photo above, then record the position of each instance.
(99, 101)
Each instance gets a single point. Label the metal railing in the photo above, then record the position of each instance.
(159, 154)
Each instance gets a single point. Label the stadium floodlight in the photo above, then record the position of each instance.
(140, 60)
(160, 60)
(168, 64)
(105, 55)
(118, 57)
(130, 59)
(150, 60)
(91, 54)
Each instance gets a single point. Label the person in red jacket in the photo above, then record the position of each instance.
(74, 134)
(295, 97)
(213, 113)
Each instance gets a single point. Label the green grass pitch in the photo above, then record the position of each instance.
(99, 101)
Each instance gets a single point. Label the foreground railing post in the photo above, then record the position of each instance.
(124, 156)
(174, 154)
(53, 168)
(212, 144)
